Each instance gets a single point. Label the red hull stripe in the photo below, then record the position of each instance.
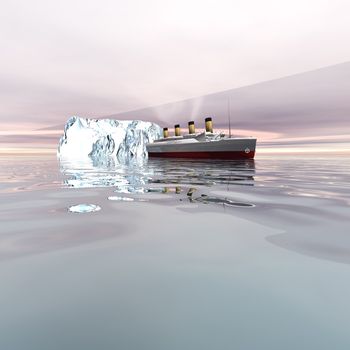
(204, 155)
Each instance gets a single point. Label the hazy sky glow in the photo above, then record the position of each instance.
(96, 58)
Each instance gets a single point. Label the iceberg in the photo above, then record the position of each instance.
(106, 138)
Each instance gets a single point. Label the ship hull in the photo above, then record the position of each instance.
(228, 148)
(204, 155)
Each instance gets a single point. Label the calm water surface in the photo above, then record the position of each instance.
(175, 254)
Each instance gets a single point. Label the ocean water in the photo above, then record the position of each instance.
(171, 254)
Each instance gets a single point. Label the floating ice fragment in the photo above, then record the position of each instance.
(117, 198)
(84, 208)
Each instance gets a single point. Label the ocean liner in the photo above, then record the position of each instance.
(205, 145)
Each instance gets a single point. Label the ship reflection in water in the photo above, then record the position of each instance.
(136, 177)
(190, 178)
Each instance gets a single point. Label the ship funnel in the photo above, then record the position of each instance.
(208, 125)
(165, 132)
(177, 130)
(191, 129)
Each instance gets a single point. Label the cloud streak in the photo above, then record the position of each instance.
(315, 103)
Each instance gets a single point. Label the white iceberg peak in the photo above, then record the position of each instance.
(99, 138)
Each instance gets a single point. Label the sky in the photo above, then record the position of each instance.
(311, 104)
(98, 58)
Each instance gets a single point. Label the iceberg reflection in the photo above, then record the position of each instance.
(137, 176)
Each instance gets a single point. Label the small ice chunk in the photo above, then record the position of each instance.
(84, 208)
(117, 198)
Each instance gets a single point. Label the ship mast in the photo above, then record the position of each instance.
(229, 115)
